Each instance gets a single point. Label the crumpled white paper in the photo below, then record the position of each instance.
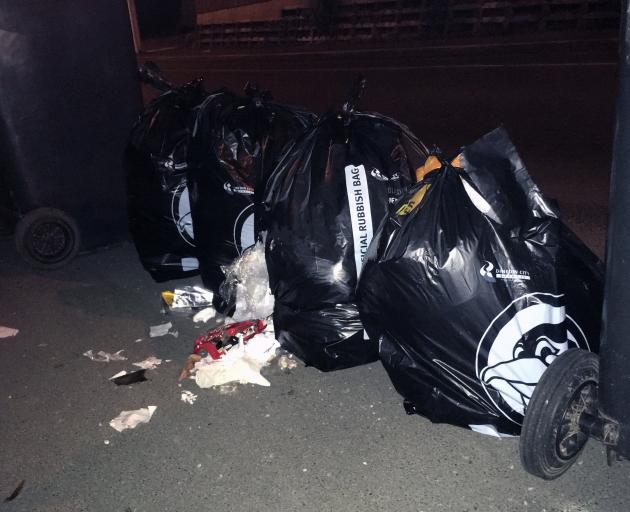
(241, 364)
(105, 357)
(204, 315)
(155, 331)
(8, 332)
(150, 363)
(131, 419)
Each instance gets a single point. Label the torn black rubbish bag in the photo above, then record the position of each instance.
(235, 141)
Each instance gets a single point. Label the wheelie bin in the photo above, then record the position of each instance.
(69, 94)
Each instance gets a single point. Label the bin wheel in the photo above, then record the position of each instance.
(551, 436)
(47, 238)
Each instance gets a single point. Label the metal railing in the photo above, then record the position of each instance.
(374, 20)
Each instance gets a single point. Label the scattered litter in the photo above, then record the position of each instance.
(287, 363)
(240, 364)
(187, 298)
(16, 492)
(138, 340)
(189, 397)
(106, 441)
(155, 331)
(129, 378)
(8, 332)
(119, 374)
(227, 389)
(105, 357)
(150, 363)
(131, 419)
(42, 345)
(221, 339)
(204, 315)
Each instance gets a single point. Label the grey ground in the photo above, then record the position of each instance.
(312, 441)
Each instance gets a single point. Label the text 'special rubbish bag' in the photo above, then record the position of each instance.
(323, 202)
(474, 286)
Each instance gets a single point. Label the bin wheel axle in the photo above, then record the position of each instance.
(561, 414)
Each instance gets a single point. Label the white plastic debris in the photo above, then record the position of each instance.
(241, 364)
(189, 397)
(105, 357)
(119, 374)
(131, 419)
(155, 331)
(204, 315)
(8, 332)
(247, 280)
(150, 363)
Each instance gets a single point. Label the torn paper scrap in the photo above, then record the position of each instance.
(262, 347)
(221, 372)
(150, 363)
(189, 397)
(155, 331)
(105, 357)
(8, 332)
(131, 419)
(204, 315)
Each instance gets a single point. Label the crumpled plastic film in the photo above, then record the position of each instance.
(246, 285)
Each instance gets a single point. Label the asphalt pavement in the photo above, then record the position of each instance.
(312, 441)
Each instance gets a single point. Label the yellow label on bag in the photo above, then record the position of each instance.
(415, 200)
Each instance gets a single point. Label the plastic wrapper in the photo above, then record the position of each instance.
(327, 196)
(246, 285)
(473, 288)
(187, 299)
(236, 140)
(157, 161)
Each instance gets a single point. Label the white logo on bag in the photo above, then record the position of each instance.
(488, 272)
(231, 189)
(181, 214)
(244, 234)
(375, 173)
(518, 346)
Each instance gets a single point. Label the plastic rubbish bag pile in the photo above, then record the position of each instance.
(457, 274)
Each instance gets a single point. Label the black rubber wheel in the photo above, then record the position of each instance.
(551, 437)
(47, 238)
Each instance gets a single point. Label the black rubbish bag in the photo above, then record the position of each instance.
(324, 200)
(473, 286)
(235, 142)
(158, 199)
